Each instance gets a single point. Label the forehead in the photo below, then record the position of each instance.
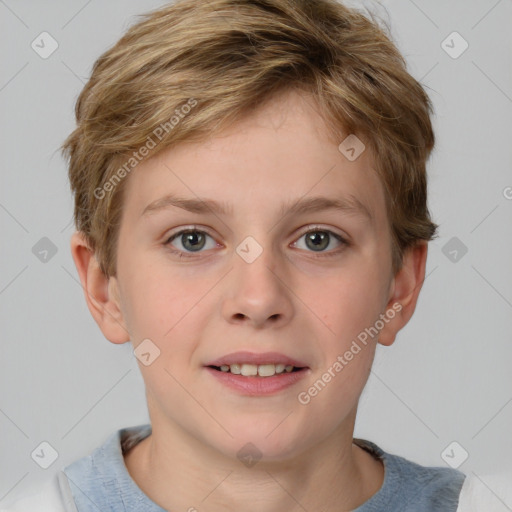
(264, 163)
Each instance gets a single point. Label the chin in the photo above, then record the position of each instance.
(271, 444)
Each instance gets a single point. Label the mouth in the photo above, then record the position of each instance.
(253, 374)
(259, 370)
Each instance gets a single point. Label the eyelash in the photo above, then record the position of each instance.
(193, 229)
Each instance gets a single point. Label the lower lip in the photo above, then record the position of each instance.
(258, 386)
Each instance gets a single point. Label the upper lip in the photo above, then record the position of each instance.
(254, 358)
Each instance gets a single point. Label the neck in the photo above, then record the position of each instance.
(180, 473)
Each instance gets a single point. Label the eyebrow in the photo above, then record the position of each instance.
(349, 204)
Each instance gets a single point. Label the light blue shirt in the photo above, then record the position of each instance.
(101, 482)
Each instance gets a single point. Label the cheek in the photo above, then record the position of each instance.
(171, 309)
(348, 303)
(157, 301)
(334, 391)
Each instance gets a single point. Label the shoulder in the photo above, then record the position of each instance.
(100, 476)
(47, 497)
(101, 480)
(408, 485)
(492, 493)
(99, 471)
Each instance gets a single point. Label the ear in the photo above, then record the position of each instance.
(101, 292)
(405, 289)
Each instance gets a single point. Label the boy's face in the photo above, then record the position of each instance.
(206, 296)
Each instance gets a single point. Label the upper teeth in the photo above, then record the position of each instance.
(263, 370)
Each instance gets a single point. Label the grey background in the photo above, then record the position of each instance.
(447, 378)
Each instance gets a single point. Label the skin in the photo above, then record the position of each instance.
(291, 300)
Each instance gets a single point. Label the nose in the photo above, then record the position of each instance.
(257, 293)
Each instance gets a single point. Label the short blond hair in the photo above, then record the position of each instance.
(208, 63)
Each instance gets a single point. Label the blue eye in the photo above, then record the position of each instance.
(192, 240)
(318, 240)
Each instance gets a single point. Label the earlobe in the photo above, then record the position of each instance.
(101, 292)
(405, 289)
